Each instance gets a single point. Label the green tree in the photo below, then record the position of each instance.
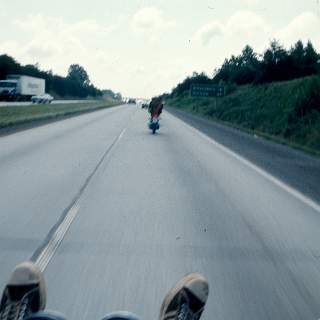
(248, 56)
(275, 54)
(240, 69)
(196, 78)
(276, 64)
(78, 74)
(8, 65)
(311, 59)
(297, 53)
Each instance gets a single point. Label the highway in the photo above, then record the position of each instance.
(114, 216)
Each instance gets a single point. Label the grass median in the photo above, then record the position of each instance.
(13, 116)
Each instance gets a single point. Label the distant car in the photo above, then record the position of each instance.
(145, 106)
(132, 101)
(44, 98)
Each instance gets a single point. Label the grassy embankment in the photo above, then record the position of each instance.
(287, 112)
(12, 116)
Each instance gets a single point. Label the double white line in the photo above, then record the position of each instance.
(49, 249)
(57, 237)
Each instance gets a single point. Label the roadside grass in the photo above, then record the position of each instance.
(286, 112)
(12, 116)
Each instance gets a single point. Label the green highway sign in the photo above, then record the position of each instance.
(204, 90)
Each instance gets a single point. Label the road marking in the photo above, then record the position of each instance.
(55, 237)
(297, 194)
(52, 246)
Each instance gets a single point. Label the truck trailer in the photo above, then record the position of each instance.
(21, 88)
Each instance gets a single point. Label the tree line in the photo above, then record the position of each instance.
(249, 67)
(76, 84)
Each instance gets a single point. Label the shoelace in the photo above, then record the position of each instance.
(183, 312)
(186, 314)
(15, 310)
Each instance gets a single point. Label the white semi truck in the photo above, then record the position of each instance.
(21, 88)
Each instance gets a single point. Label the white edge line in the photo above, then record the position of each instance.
(298, 195)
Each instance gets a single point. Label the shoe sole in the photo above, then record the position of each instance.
(195, 282)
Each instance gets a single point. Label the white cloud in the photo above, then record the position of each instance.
(246, 24)
(151, 22)
(42, 49)
(304, 27)
(246, 27)
(206, 33)
(56, 44)
(250, 3)
(53, 36)
(242, 27)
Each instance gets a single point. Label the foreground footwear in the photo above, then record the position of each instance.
(24, 294)
(187, 299)
(121, 315)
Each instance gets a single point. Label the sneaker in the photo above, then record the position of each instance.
(121, 315)
(187, 299)
(24, 294)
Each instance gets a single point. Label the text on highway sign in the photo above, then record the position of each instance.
(203, 90)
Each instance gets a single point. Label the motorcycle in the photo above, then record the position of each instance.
(154, 124)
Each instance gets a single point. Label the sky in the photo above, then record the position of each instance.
(142, 48)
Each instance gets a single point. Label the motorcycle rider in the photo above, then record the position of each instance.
(155, 107)
(24, 298)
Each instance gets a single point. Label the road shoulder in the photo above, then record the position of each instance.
(297, 169)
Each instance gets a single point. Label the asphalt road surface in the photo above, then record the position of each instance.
(299, 170)
(114, 216)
